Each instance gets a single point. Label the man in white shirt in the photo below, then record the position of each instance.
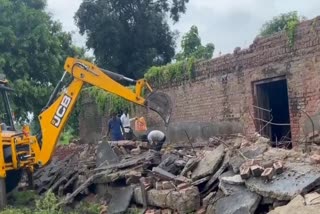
(156, 138)
(126, 123)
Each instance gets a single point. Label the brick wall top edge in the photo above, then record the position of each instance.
(260, 48)
(262, 51)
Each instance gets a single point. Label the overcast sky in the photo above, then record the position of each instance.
(226, 23)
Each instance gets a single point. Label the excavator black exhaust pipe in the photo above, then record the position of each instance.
(161, 103)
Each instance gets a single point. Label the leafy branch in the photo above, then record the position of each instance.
(171, 73)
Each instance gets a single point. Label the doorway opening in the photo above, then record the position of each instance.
(272, 110)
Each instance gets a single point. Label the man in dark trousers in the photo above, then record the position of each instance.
(115, 127)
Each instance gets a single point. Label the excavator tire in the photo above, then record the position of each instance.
(13, 176)
(8, 184)
(3, 194)
(12, 180)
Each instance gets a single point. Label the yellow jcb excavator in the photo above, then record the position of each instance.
(23, 151)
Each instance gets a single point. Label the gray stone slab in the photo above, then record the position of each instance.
(230, 189)
(105, 154)
(243, 202)
(296, 206)
(209, 163)
(298, 178)
(236, 179)
(184, 201)
(121, 197)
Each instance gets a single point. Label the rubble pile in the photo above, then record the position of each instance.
(224, 176)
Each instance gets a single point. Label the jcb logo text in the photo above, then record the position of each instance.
(62, 109)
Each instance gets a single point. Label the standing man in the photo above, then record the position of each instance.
(156, 138)
(115, 127)
(125, 120)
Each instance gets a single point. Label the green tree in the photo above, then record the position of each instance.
(192, 47)
(280, 23)
(129, 36)
(33, 49)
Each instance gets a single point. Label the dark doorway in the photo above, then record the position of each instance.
(272, 109)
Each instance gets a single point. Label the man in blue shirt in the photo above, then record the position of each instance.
(115, 127)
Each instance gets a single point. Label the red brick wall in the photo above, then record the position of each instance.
(223, 90)
(223, 87)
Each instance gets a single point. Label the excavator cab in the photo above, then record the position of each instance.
(6, 120)
(7, 131)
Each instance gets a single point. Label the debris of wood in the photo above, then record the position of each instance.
(177, 179)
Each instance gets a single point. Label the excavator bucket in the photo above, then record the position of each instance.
(161, 103)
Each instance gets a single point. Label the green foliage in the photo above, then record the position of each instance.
(33, 50)
(192, 47)
(129, 36)
(88, 208)
(66, 136)
(291, 31)
(176, 72)
(10, 210)
(46, 205)
(108, 100)
(284, 22)
(23, 198)
(280, 23)
(28, 202)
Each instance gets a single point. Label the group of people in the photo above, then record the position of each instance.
(120, 129)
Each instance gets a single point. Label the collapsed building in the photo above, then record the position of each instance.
(272, 88)
(221, 158)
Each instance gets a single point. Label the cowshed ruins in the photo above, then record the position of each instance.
(270, 87)
(242, 139)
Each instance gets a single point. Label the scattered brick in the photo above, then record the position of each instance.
(244, 172)
(268, 173)
(256, 170)
(278, 167)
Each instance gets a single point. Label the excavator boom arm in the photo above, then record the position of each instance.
(54, 118)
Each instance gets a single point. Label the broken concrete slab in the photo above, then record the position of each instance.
(206, 200)
(168, 164)
(190, 165)
(229, 189)
(209, 163)
(186, 200)
(296, 206)
(121, 197)
(236, 179)
(162, 174)
(240, 202)
(312, 198)
(216, 175)
(298, 178)
(106, 154)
